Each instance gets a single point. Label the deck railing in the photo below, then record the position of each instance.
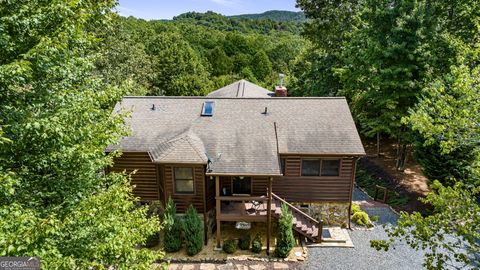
(298, 212)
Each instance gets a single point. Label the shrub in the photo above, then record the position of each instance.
(152, 240)
(172, 241)
(285, 239)
(193, 231)
(360, 218)
(375, 218)
(229, 246)
(257, 244)
(244, 242)
(355, 208)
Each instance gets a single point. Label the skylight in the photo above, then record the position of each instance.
(207, 109)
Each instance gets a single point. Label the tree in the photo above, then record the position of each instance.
(57, 121)
(261, 65)
(447, 120)
(220, 62)
(177, 68)
(193, 231)
(172, 230)
(122, 57)
(449, 237)
(285, 239)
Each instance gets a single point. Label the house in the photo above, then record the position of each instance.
(239, 153)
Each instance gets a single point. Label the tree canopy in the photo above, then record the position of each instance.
(56, 122)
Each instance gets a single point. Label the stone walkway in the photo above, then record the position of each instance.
(237, 265)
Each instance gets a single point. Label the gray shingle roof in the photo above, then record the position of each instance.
(241, 88)
(239, 138)
(185, 148)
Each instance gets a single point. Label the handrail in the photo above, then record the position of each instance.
(241, 198)
(296, 209)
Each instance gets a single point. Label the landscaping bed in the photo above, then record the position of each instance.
(209, 255)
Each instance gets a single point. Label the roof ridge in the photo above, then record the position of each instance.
(195, 148)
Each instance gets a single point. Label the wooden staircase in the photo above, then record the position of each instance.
(302, 223)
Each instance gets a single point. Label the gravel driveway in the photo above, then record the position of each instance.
(363, 256)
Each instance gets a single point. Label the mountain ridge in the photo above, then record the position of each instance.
(274, 15)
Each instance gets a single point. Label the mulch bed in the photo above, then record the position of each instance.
(378, 172)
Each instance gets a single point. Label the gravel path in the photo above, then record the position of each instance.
(363, 256)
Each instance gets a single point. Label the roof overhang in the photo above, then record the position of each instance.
(242, 174)
(325, 154)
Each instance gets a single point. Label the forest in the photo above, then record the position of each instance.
(409, 70)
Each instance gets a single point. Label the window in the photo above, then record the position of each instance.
(184, 182)
(331, 167)
(317, 167)
(282, 165)
(242, 185)
(207, 109)
(310, 167)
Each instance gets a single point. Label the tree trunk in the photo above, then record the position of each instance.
(402, 157)
(378, 144)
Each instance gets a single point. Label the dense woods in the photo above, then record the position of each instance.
(196, 53)
(410, 71)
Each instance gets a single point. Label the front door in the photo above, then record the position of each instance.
(241, 185)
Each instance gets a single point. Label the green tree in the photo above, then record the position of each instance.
(449, 236)
(57, 120)
(447, 120)
(172, 229)
(193, 231)
(220, 62)
(178, 70)
(261, 65)
(285, 239)
(122, 57)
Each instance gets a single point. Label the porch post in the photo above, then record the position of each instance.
(218, 210)
(269, 214)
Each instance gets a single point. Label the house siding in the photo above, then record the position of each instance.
(259, 185)
(296, 188)
(182, 201)
(145, 179)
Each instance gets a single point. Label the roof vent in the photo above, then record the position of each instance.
(266, 111)
(207, 109)
(153, 107)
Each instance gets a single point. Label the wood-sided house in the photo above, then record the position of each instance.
(239, 153)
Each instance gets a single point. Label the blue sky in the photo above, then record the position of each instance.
(166, 9)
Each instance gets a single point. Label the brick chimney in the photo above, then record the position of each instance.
(280, 90)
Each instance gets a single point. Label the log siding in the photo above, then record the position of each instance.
(181, 200)
(296, 188)
(145, 180)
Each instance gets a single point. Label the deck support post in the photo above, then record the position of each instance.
(218, 210)
(269, 214)
(352, 184)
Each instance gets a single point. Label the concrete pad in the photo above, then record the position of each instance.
(339, 237)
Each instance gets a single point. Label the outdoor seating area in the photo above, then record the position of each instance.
(247, 208)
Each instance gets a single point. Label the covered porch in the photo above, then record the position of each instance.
(236, 203)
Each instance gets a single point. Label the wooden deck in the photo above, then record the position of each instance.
(243, 211)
